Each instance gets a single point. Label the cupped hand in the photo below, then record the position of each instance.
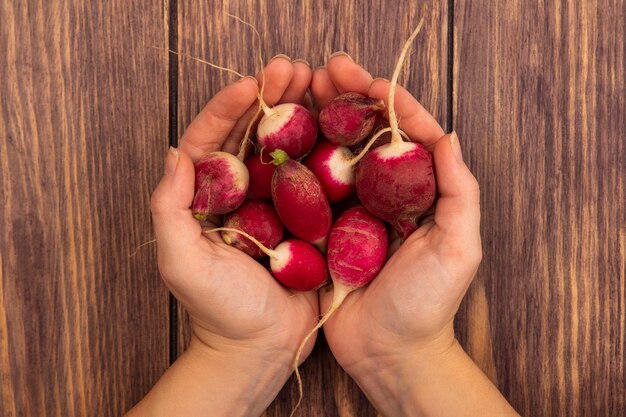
(233, 302)
(410, 306)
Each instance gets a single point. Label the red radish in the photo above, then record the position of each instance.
(261, 174)
(299, 265)
(357, 250)
(221, 184)
(332, 166)
(294, 263)
(260, 220)
(300, 200)
(349, 118)
(289, 127)
(396, 181)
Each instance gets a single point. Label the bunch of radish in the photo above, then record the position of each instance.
(309, 203)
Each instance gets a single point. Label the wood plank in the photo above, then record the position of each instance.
(372, 34)
(83, 134)
(539, 107)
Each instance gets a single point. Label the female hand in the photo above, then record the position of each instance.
(396, 336)
(246, 326)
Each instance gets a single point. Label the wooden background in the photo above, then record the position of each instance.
(535, 89)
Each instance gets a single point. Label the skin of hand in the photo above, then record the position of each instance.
(400, 327)
(240, 314)
(412, 302)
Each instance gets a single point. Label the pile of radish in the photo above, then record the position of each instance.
(309, 202)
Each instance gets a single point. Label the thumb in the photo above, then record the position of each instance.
(457, 213)
(176, 231)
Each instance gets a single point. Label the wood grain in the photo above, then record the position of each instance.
(83, 120)
(539, 107)
(372, 34)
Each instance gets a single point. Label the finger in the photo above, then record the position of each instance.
(347, 75)
(457, 214)
(210, 128)
(413, 118)
(278, 74)
(322, 88)
(177, 232)
(299, 84)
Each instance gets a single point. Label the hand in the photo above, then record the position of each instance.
(244, 323)
(412, 302)
(396, 336)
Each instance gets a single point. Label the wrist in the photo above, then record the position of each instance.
(393, 381)
(247, 379)
(216, 381)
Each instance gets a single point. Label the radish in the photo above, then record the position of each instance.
(331, 165)
(396, 181)
(300, 200)
(334, 166)
(349, 118)
(258, 219)
(294, 263)
(289, 127)
(357, 250)
(261, 174)
(221, 184)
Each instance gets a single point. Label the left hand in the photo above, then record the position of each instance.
(234, 303)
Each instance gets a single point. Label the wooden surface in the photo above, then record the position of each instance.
(536, 92)
(83, 130)
(540, 99)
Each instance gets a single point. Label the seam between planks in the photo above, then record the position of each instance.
(172, 16)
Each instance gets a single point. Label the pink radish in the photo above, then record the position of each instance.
(300, 200)
(258, 219)
(396, 181)
(298, 265)
(294, 263)
(349, 118)
(289, 127)
(334, 166)
(261, 174)
(331, 165)
(357, 250)
(221, 184)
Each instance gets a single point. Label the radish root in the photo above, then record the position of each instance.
(262, 104)
(269, 252)
(339, 295)
(136, 251)
(396, 133)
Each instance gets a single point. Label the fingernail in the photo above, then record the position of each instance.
(379, 79)
(172, 161)
(283, 56)
(304, 61)
(340, 53)
(456, 147)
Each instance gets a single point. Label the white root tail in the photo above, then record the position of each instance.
(393, 120)
(339, 295)
(269, 252)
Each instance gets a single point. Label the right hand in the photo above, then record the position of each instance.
(409, 308)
